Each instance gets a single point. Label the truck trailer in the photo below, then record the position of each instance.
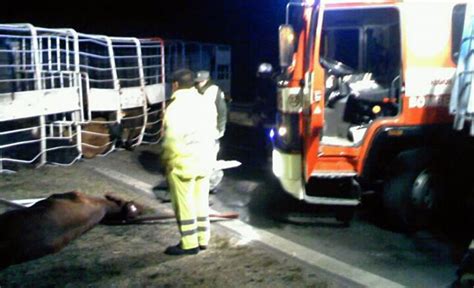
(66, 95)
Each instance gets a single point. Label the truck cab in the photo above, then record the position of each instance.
(363, 103)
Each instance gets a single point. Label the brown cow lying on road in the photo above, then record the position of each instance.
(50, 224)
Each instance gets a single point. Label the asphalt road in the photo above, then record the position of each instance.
(422, 259)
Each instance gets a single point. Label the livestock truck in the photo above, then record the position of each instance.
(66, 95)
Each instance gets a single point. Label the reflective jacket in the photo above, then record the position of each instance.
(216, 96)
(189, 133)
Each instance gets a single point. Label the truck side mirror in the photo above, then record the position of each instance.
(286, 45)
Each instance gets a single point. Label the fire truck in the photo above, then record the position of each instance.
(363, 105)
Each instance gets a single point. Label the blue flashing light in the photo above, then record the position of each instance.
(271, 134)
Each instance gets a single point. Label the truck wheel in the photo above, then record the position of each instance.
(412, 190)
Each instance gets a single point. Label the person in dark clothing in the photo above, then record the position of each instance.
(216, 96)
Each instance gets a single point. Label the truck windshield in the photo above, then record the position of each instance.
(457, 25)
(367, 40)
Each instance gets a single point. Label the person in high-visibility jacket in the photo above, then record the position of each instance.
(188, 153)
(216, 97)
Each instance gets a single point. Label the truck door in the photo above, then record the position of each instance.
(312, 106)
(359, 53)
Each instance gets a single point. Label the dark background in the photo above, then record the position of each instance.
(249, 26)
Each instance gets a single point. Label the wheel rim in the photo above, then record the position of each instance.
(423, 191)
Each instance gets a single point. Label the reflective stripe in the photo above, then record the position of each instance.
(202, 229)
(186, 222)
(188, 232)
(202, 219)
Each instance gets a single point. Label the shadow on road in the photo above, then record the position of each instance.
(150, 161)
(253, 189)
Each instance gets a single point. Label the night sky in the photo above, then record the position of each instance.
(249, 26)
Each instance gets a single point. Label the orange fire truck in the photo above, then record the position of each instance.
(363, 105)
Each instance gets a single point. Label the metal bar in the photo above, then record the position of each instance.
(61, 126)
(68, 64)
(36, 58)
(51, 130)
(142, 89)
(92, 55)
(61, 79)
(18, 80)
(78, 80)
(58, 53)
(18, 130)
(19, 143)
(16, 65)
(88, 89)
(99, 69)
(116, 82)
(43, 139)
(23, 54)
(14, 36)
(40, 59)
(50, 63)
(163, 71)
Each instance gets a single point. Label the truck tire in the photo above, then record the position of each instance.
(412, 190)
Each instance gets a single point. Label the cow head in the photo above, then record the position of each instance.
(121, 209)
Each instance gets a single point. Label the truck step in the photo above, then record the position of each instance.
(340, 189)
(331, 201)
(333, 174)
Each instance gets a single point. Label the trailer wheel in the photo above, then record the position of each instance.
(412, 190)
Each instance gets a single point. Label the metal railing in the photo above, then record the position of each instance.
(64, 93)
(215, 58)
(57, 86)
(39, 84)
(125, 76)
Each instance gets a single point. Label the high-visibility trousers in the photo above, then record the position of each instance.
(190, 200)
